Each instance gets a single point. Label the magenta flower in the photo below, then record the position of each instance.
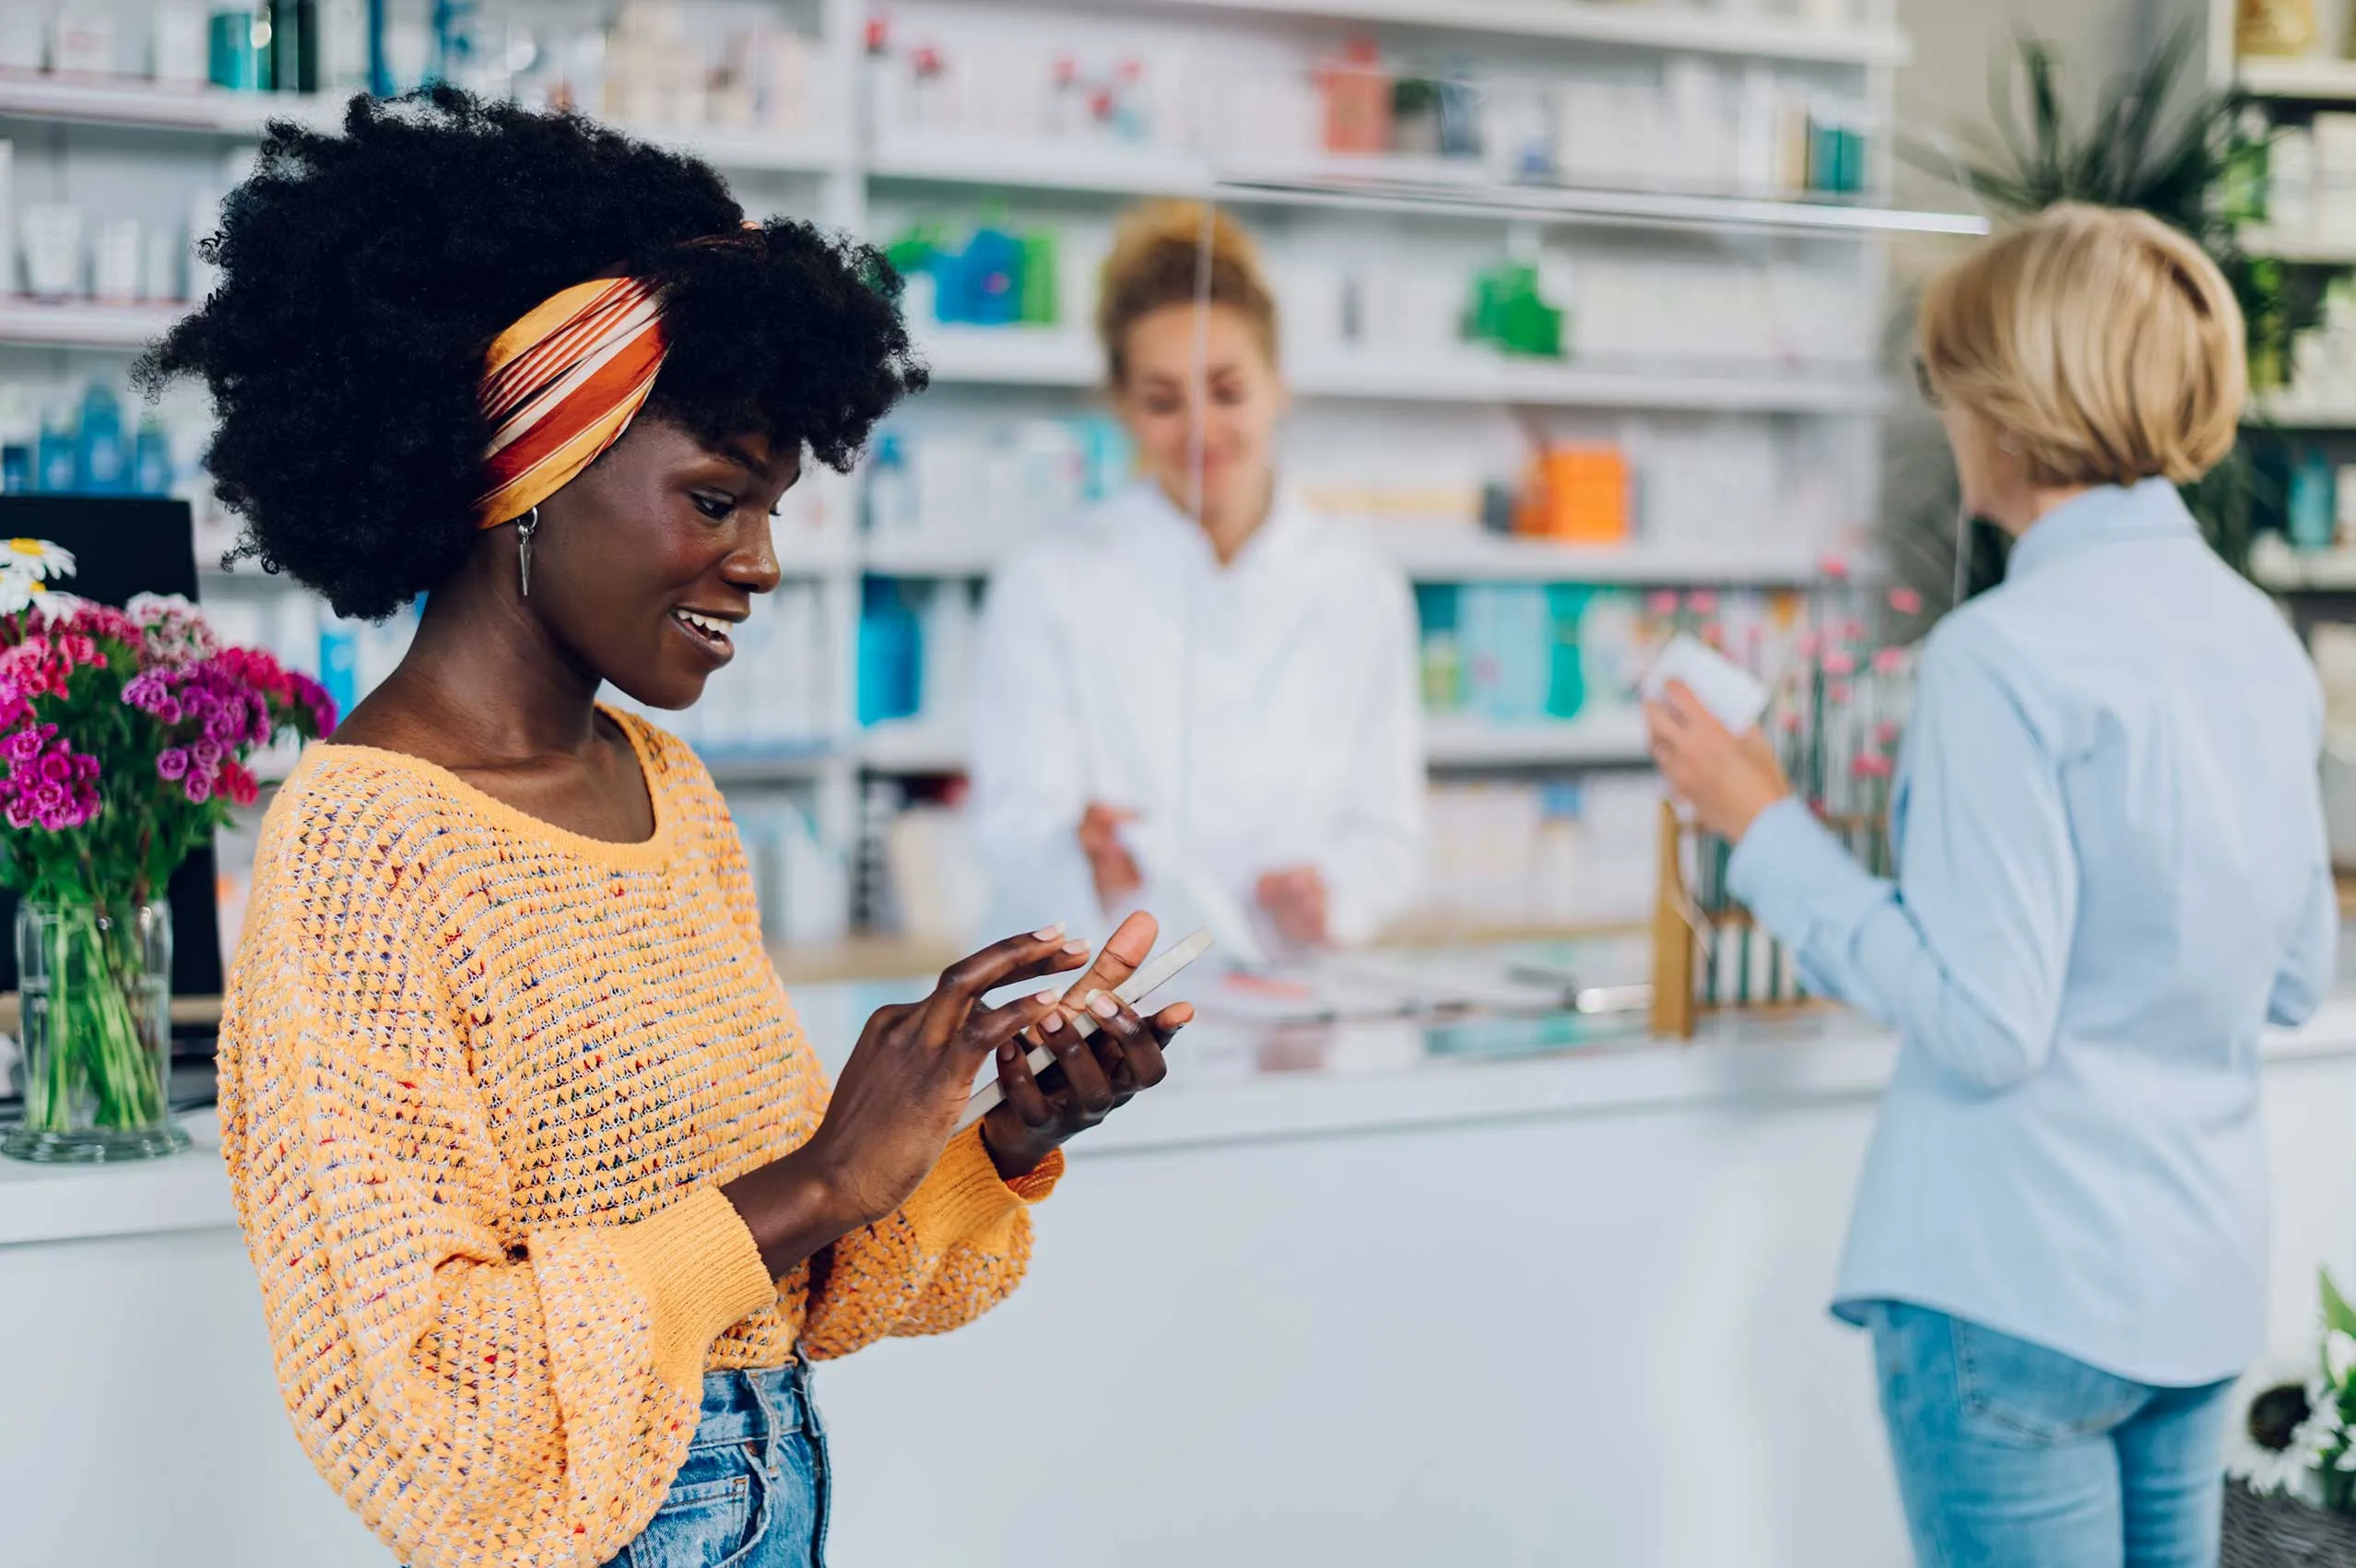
(199, 789)
(171, 764)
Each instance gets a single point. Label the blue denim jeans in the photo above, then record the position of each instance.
(753, 1490)
(2012, 1456)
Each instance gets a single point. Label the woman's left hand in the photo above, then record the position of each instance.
(1727, 779)
(1097, 1076)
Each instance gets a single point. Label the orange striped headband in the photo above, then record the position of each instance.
(561, 385)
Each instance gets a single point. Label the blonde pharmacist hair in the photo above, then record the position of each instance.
(2103, 344)
(1157, 262)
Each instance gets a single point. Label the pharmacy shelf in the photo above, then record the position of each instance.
(918, 746)
(1018, 356)
(930, 555)
(786, 765)
(2303, 413)
(1437, 555)
(2321, 79)
(244, 116)
(2311, 250)
(912, 746)
(1082, 167)
(1687, 29)
(92, 101)
(2286, 570)
(82, 324)
(1426, 187)
(1444, 555)
(1472, 743)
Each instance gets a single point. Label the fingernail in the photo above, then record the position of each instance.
(1043, 997)
(1048, 933)
(1051, 1023)
(1102, 1005)
(1075, 946)
(1006, 1053)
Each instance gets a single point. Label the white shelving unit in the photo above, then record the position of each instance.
(841, 171)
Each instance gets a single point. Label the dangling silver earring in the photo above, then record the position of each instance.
(525, 526)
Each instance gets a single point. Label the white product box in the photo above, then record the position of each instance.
(116, 260)
(24, 44)
(81, 42)
(179, 54)
(52, 234)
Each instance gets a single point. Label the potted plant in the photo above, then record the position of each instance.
(2291, 1454)
(125, 740)
(2156, 141)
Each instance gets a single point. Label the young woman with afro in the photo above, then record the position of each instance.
(551, 1204)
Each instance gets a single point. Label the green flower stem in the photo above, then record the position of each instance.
(94, 1041)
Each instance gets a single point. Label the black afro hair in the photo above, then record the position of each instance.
(364, 275)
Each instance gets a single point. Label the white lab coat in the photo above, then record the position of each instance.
(1255, 716)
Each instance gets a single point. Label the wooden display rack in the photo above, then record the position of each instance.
(1683, 932)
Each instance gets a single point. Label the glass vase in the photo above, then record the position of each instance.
(95, 980)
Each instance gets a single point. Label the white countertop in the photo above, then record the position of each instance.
(1226, 1086)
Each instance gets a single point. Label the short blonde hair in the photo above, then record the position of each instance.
(2101, 342)
(1158, 260)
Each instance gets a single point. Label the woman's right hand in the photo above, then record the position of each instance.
(1109, 860)
(897, 1102)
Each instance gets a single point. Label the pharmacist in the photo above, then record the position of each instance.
(1197, 696)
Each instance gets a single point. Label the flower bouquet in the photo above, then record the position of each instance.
(1837, 711)
(2290, 1454)
(124, 741)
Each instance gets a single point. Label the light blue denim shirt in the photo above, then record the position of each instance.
(2112, 873)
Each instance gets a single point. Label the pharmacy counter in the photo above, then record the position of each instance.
(1377, 1292)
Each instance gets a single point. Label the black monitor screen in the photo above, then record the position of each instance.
(124, 547)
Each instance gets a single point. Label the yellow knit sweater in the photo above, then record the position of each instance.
(480, 1081)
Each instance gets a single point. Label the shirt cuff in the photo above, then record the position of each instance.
(1795, 878)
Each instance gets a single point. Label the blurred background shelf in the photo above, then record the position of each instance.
(84, 323)
(1682, 28)
(2323, 80)
(1455, 742)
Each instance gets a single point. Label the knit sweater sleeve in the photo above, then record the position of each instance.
(958, 1247)
(479, 1393)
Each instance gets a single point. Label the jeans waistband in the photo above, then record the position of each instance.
(753, 1406)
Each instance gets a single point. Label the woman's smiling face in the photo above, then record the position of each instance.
(642, 565)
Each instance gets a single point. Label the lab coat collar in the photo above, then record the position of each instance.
(1163, 526)
(2148, 508)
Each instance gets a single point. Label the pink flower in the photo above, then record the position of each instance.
(171, 764)
(1905, 601)
(198, 788)
(1840, 662)
(1835, 567)
(1889, 661)
(1701, 601)
(1660, 602)
(1885, 734)
(1791, 723)
(1810, 642)
(206, 754)
(1838, 693)
(1869, 765)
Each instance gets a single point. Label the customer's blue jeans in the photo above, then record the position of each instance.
(753, 1490)
(2012, 1456)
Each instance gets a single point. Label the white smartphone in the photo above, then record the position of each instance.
(1150, 977)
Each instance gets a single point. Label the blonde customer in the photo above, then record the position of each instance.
(2113, 875)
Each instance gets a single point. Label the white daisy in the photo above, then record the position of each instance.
(38, 558)
(2267, 1445)
(2339, 1356)
(16, 593)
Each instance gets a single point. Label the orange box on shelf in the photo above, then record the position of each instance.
(1576, 495)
